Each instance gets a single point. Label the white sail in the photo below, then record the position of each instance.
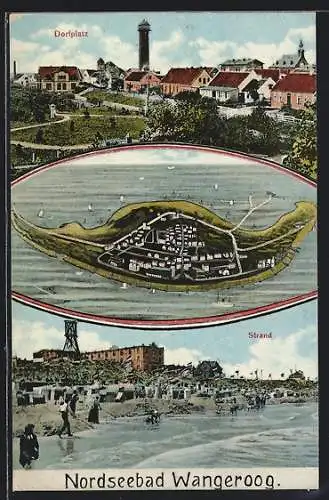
(41, 212)
(122, 198)
(90, 207)
(216, 186)
(124, 286)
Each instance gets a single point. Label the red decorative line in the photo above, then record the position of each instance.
(106, 320)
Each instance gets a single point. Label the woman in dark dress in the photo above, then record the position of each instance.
(28, 447)
(93, 416)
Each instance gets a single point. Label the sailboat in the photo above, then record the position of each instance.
(124, 286)
(90, 207)
(216, 186)
(122, 198)
(41, 212)
(141, 178)
(223, 302)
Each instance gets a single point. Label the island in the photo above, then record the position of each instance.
(175, 245)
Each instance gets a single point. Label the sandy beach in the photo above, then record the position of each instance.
(47, 418)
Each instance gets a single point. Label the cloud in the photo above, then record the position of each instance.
(182, 356)
(211, 52)
(279, 355)
(176, 50)
(149, 156)
(164, 52)
(29, 337)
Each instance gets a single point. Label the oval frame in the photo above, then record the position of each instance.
(177, 323)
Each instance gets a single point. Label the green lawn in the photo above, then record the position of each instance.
(84, 130)
(119, 98)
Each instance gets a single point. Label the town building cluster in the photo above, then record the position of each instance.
(172, 248)
(289, 81)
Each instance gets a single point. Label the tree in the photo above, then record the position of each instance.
(39, 136)
(191, 118)
(303, 154)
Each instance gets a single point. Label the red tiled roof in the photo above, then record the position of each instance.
(228, 79)
(296, 82)
(48, 71)
(135, 76)
(184, 76)
(269, 73)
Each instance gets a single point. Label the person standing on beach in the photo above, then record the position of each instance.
(64, 410)
(93, 416)
(73, 402)
(28, 447)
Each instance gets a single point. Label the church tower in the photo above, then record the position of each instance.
(144, 53)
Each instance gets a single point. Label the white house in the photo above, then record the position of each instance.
(29, 80)
(229, 85)
(265, 88)
(88, 76)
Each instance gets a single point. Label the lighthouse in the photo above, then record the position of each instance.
(144, 53)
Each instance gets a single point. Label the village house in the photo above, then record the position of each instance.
(185, 79)
(295, 91)
(258, 90)
(228, 86)
(137, 81)
(28, 80)
(293, 62)
(269, 73)
(109, 75)
(59, 78)
(241, 65)
(89, 76)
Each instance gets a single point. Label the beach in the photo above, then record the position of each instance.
(280, 435)
(47, 418)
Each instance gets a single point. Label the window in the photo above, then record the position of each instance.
(48, 86)
(204, 80)
(73, 85)
(200, 80)
(299, 99)
(64, 86)
(61, 77)
(59, 86)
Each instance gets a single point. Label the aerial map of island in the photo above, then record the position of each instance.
(176, 245)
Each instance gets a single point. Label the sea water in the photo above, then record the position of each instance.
(283, 435)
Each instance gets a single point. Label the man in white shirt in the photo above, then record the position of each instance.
(64, 410)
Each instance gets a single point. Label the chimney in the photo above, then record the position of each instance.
(15, 72)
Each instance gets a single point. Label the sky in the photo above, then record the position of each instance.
(293, 344)
(176, 39)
